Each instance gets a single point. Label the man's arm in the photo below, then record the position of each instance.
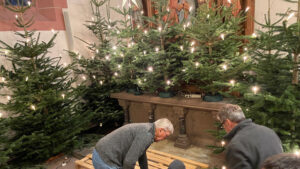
(143, 161)
(137, 150)
(236, 158)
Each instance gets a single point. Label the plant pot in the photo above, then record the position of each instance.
(135, 91)
(165, 94)
(213, 98)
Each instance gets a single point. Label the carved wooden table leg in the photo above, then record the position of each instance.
(150, 108)
(125, 104)
(182, 140)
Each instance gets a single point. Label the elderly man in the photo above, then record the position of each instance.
(282, 161)
(249, 144)
(125, 146)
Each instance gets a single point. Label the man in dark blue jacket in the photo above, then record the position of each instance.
(249, 144)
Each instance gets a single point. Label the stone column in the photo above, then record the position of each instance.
(125, 104)
(182, 140)
(150, 108)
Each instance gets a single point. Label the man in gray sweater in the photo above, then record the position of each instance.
(122, 148)
(249, 144)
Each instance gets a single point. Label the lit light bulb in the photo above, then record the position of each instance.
(255, 89)
(139, 81)
(118, 32)
(138, 26)
(107, 57)
(93, 57)
(254, 35)
(8, 98)
(65, 64)
(224, 67)
(197, 64)
(83, 77)
(245, 49)
(150, 69)
(63, 96)
(193, 43)
(207, 16)
(122, 55)
(16, 16)
(128, 17)
(188, 24)
(145, 52)
(64, 164)
(6, 52)
(101, 82)
(119, 66)
(223, 167)
(290, 16)
(245, 58)
(32, 107)
(232, 82)
(192, 50)
(190, 9)
(94, 77)
(100, 124)
(159, 28)
(168, 82)
(223, 143)
(229, 1)
(97, 51)
(114, 47)
(181, 48)
(26, 79)
(116, 74)
(145, 80)
(184, 26)
(93, 19)
(27, 40)
(3, 79)
(156, 49)
(168, 9)
(297, 153)
(129, 45)
(108, 26)
(145, 32)
(29, 3)
(222, 36)
(52, 30)
(142, 12)
(247, 9)
(1, 115)
(183, 70)
(79, 56)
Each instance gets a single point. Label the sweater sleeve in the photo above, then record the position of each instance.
(143, 161)
(137, 150)
(236, 158)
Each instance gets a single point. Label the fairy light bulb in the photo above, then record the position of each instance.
(65, 64)
(255, 89)
(197, 64)
(150, 69)
(168, 82)
(139, 81)
(79, 56)
(245, 58)
(184, 26)
(247, 9)
(118, 32)
(29, 3)
(159, 29)
(8, 98)
(222, 36)
(101, 82)
(32, 107)
(6, 52)
(168, 9)
(223, 143)
(229, 1)
(122, 55)
(245, 49)
(93, 57)
(145, 52)
(188, 24)
(94, 77)
(27, 40)
(63, 96)
(291, 15)
(129, 45)
(119, 66)
(142, 12)
(156, 49)
(83, 78)
(100, 124)
(128, 17)
(224, 67)
(190, 9)
(16, 16)
(26, 79)
(207, 16)
(107, 57)
(223, 167)
(232, 82)
(138, 26)
(97, 51)
(1, 114)
(192, 50)
(297, 153)
(145, 32)
(254, 35)
(93, 19)
(3, 79)
(181, 48)
(145, 80)
(52, 30)
(108, 26)
(114, 47)
(116, 74)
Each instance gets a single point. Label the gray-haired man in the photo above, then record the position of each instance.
(122, 148)
(249, 144)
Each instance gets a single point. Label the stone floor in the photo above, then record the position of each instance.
(203, 155)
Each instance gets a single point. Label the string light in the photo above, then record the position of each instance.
(232, 82)
(16, 16)
(108, 26)
(290, 16)
(97, 51)
(93, 57)
(245, 49)
(122, 55)
(156, 49)
(114, 47)
(32, 107)
(168, 9)
(94, 77)
(245, 58)
(128, 17)
(223, 143)
(184, 26)
(222, 36)
(192, 50)
(297, 153)
(26, 79)
(3, 79)
(1, 114)
(100, 124)
(29, 3)
(159, 28)
(247, 9)
(190, 9)
(63, 96)
(6, 52)
(181, 48)
(118, 32)
(101, 82)
(139, 81)
(255, 89)
(183, 70)
(145, 32)
(150, 69)
(119, 66)
(145, 52)
(207, 16)
(188, 24)
(168, 82)
(197, 64)
(224, 67)
(52, 30)
(107, 57)
(145, 80)
(138, 26)
(193, 43)
(8, 98)
(116, 74)
(93, 19)
(65, 64)
(229, 1)
(27, 40)
(254, 35)
(79, 56)
(129, 45)
(223, 167)
(142, 12)
(83, 77)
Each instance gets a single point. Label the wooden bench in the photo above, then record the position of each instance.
(156, 160)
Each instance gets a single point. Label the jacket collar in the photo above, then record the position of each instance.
(237, 128)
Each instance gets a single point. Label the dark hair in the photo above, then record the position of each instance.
(282, 161)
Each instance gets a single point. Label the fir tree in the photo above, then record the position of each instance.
(41, 103)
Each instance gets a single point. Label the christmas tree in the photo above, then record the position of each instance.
(97, 73)
(42, 104)
(274, 99)
(216, 56)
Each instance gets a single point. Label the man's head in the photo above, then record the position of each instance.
(282, 161)
(230, 115)
(163, 128)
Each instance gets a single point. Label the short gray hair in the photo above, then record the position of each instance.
(165, 124)
(231, 112)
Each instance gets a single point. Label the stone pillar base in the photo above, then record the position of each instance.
(182, 141)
